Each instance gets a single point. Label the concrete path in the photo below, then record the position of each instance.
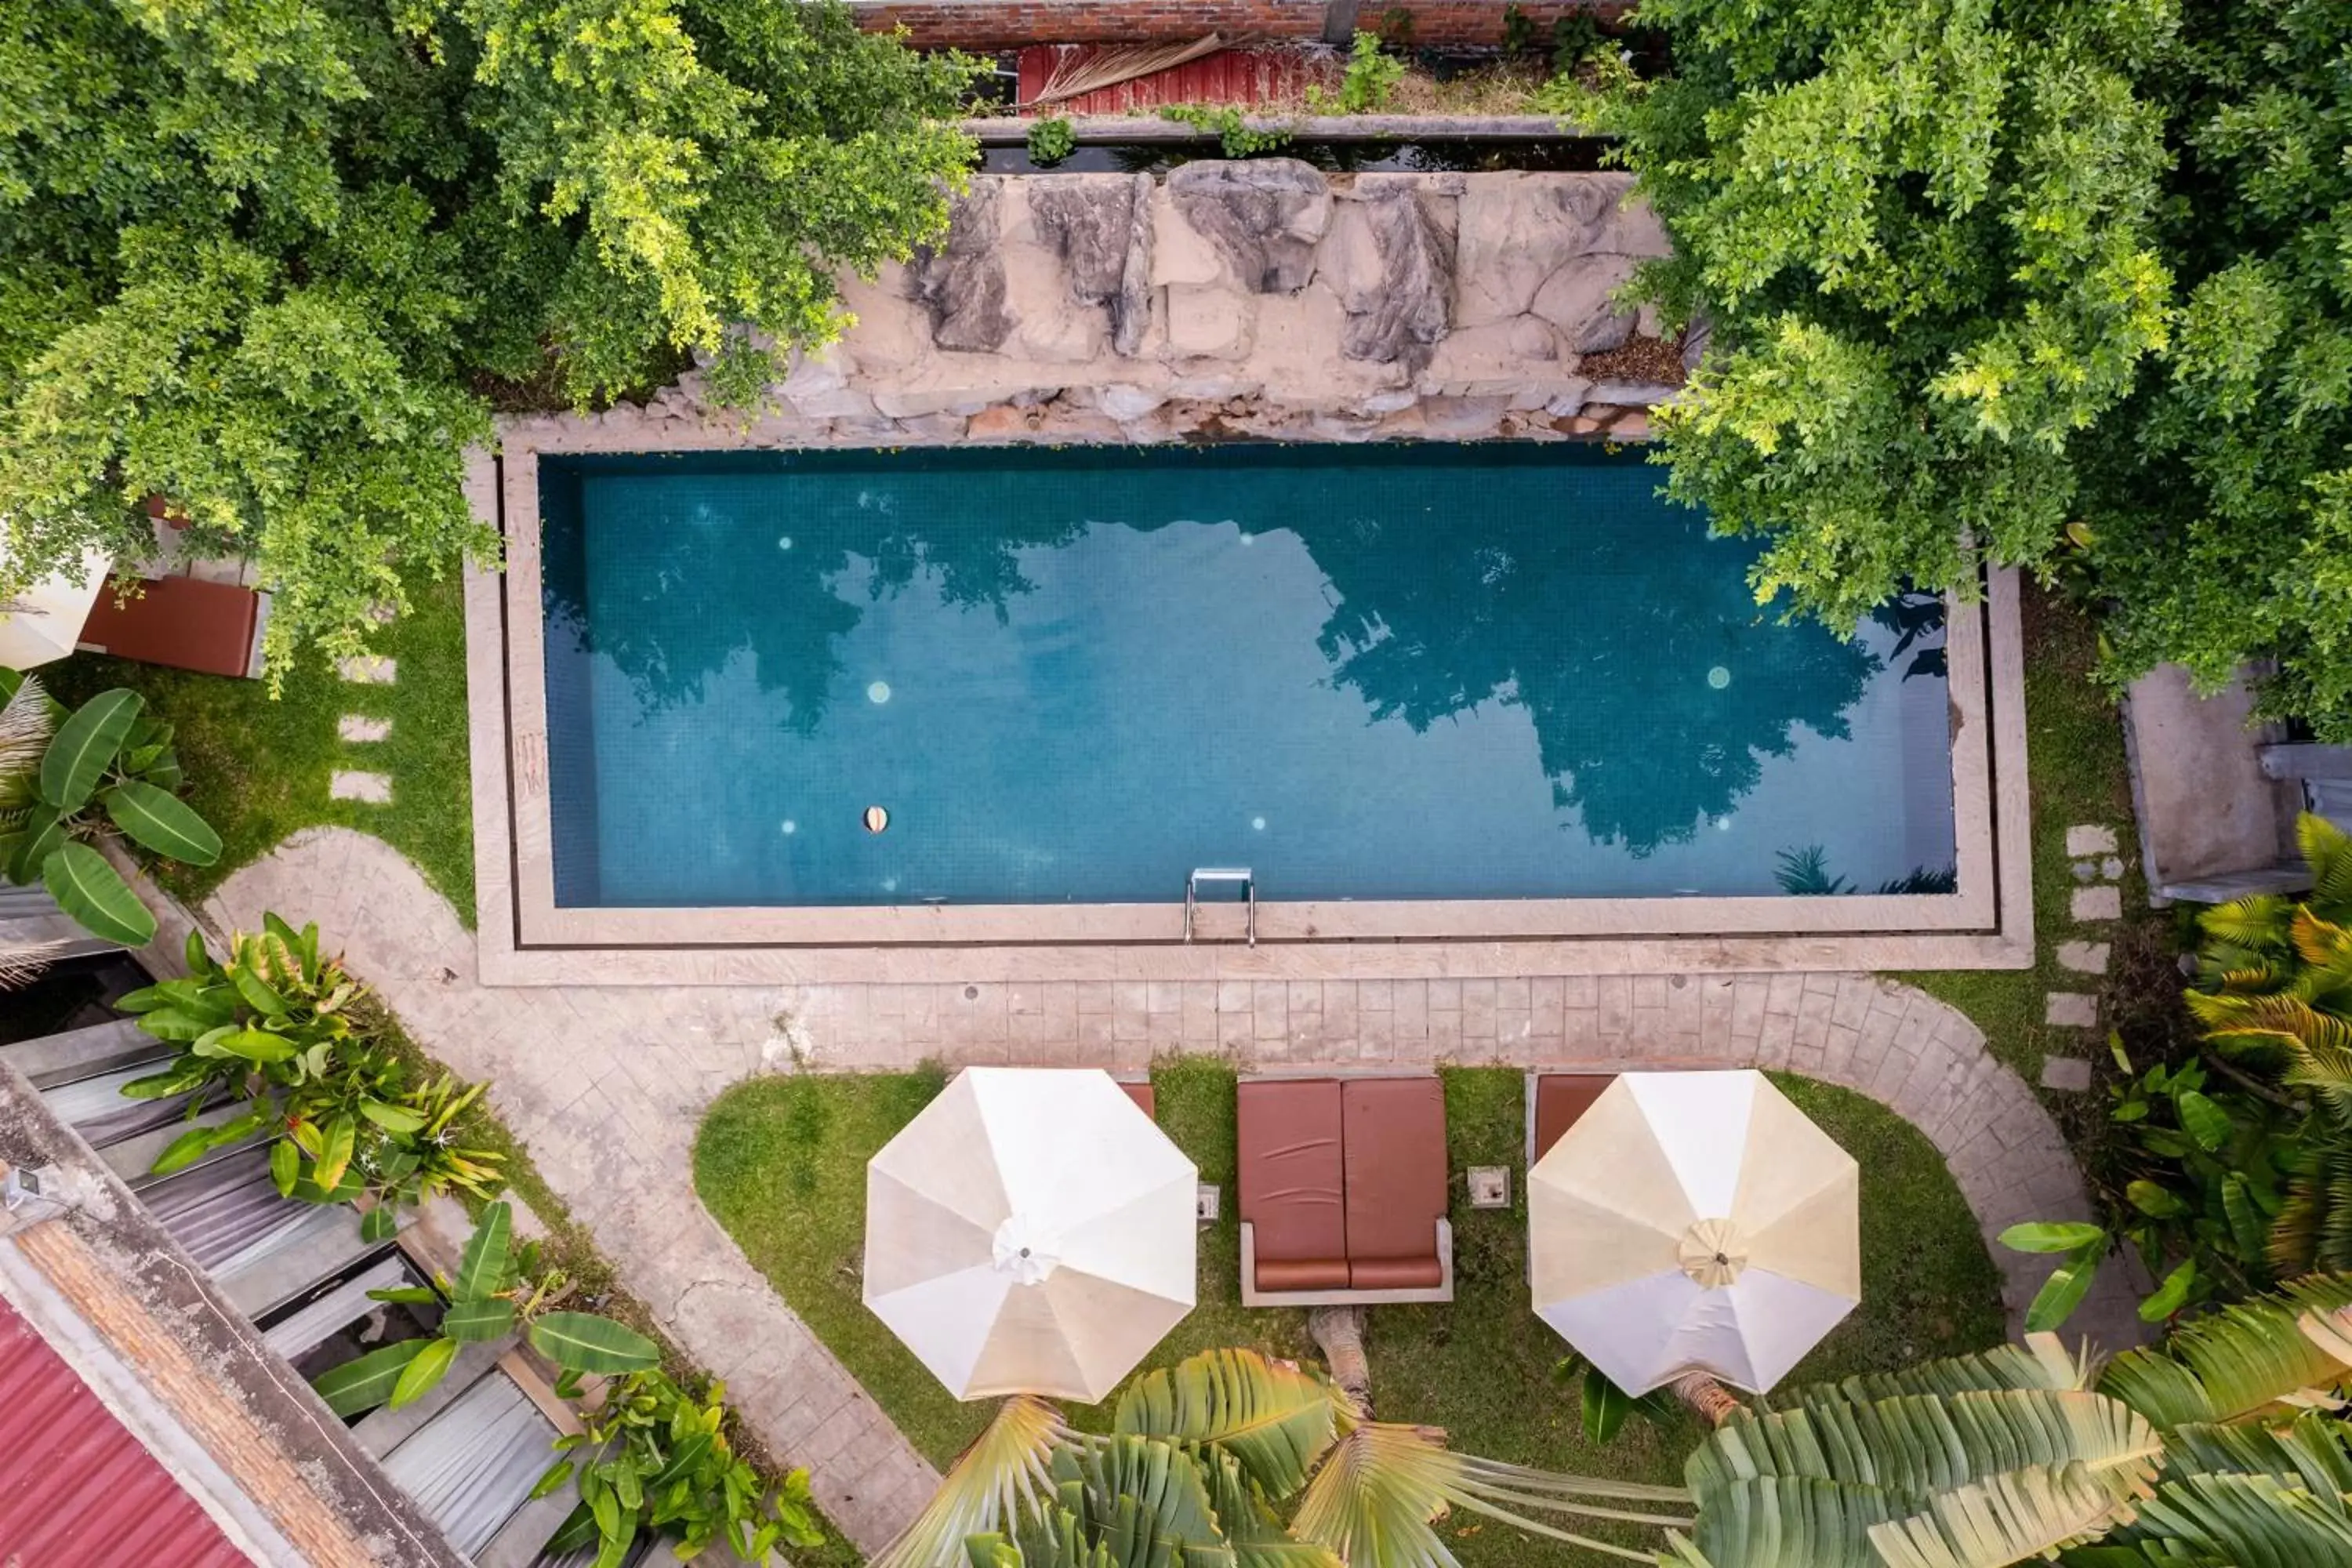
(606, 1086)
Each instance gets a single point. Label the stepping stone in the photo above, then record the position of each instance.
(2086, 869)
(2090, 840)
(366, 669)
(382, 614)
(373, 788)
(2071, 1074)
(358, 727)
(2072, 1010)
(2084, 957)
(2112, 868)
(2100, 903)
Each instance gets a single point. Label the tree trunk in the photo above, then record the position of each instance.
(1708, 1400)
(1339, 1334)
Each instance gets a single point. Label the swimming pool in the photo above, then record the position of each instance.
(1382, 678)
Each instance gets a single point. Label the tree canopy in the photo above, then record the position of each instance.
(276, 261)
(2058, 285)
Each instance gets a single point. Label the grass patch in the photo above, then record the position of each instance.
(257, 766)
(2075, 765)
(780, 1163)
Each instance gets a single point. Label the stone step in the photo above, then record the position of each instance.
(358, 728)
(54, 1059)
(367, 669)
(371, 789)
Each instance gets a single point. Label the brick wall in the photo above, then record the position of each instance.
(1007, 23)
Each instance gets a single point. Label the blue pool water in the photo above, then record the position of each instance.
(1400, 672)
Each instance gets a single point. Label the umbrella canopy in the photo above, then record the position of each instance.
(1031, 1232)
(1694, 1221)
(45, 621)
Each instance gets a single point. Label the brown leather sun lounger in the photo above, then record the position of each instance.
(1343, 1191)
(1559, 1101)
(182, 623)
(1140, 1091)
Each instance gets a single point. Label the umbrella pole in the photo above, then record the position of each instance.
(1708, 1400)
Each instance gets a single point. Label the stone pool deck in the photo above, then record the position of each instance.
(606, 1086)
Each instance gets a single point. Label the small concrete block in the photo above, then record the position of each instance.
(2072, 1010)
(2090, 840)
(1490, 1186)
(366, 669)
(2071, 1074)
(2086, 869)
(2100, 903)
(1208, 1203)
(373, 788)
(2084, 957)
(358, 727)
(2112, 868)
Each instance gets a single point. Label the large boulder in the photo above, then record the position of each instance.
(1101, 229)
(1265, 216)
(960, 281)
(1519, 232)
(1391, 266)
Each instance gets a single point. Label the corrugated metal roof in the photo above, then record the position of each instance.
(1244, 76)
(77, 1490)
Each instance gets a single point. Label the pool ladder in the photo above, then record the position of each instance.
(1221, 876)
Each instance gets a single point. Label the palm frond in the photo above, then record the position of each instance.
(2312, 1229)
(2258, 924)
(2231, 1364)
(2014, 1515)
(2322, 943)
(1277, 1420)
(25, 727)
(1146, 1503)
(2328, 848)
(2251, 1522)
(2315, 1453)
(1258, 1539)
(2042, 1361)
(1004, 1475)
(1378, 1494)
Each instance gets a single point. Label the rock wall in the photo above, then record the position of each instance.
(1258, 299)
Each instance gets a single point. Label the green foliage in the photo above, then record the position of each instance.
(64, 780)
(497, 1288)
(654, 1457)
(273, 262)
(2001, 281)
(1370, 82)
(282, 1029)
(1234, 135)
(1051, 140)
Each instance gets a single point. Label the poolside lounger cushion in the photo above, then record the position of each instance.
(1561, 1101)
(1289, 1175)
(1140, 1091)
(1394, 1131)
(182, 623)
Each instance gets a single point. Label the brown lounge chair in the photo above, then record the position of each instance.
(1343, 1191)
(1555, 1102)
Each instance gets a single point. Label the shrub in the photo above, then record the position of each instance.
(1050, 141)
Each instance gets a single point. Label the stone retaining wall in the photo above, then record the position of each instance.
(1236, 299)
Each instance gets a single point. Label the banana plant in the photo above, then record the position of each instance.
(652, 1457)
(1205, 1460)
(105, 763)
(283, 1029)
(497, 1289)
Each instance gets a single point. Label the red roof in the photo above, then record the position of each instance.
(1244, 76)
(77, 1490)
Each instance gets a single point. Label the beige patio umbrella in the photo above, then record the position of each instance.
(1694, 1222)
(44, 621)
(1031, 1232)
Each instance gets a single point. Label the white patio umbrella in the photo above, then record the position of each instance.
(43, 621)
(1031, 1232)
(1694, 1222)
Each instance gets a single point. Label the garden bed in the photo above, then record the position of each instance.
(780, 1163)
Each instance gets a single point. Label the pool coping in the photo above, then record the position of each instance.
(526, 940)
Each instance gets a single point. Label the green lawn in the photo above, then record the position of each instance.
(257, 766)
(780, 1163)
(2074, 753)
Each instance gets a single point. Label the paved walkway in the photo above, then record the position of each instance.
(606, 1086)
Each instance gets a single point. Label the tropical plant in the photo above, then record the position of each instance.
(498, 1289)
(66, 777)
(284, 1029)
(1372, 77)
(1996, 280)
(1235, 137)
(1051, 140)
(652, 1457)
(1201, 1462)
(1601, 1405)
(276, 264)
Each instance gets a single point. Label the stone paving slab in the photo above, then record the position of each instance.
(2084, 957)
(374, 789)
(367, 669)
(2090, 838)
(606, 1086)
(2100, 903)
(359, 727)
(2070, 1010)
